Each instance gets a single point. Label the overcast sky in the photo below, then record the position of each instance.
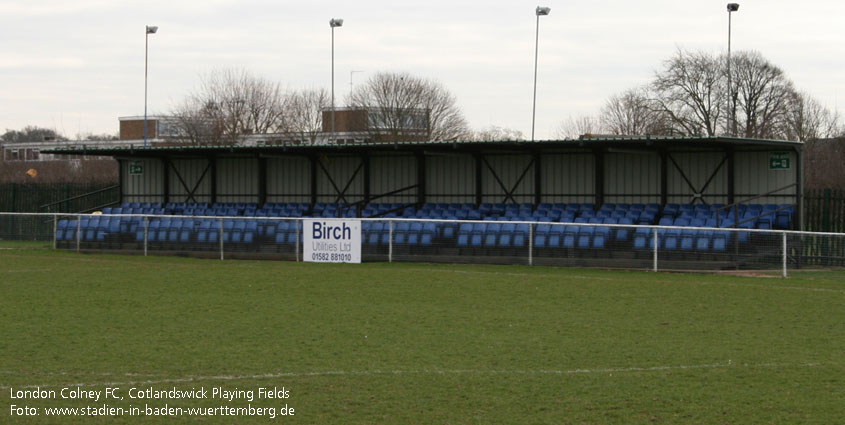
(78, 65)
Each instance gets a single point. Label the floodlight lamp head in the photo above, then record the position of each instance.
(151, 29)
(733, 7)
(543, 11)
(336, 23)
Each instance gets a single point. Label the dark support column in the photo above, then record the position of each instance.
(731, 176)
(421, 177)
(478, 186)
(365, 160)
(599, 178)
(213, 183)
(165, 181)
(120, 164)
(262, 182)
(538, 180)
(664, 177)
(314, 166)
(799, 190)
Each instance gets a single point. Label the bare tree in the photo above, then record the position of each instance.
(808, 120)
(633, 113)
(689, 97)
(31, 134)
(763, 96)
(400, 106)
(230, 104)
(690, 90)
(496, 133)
(303, 118)
(196, 123)
(575, 127)
(87, 135)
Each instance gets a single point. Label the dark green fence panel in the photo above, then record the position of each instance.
(57, 197)
(49, 197)
(824, 211)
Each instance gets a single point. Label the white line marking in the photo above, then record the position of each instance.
(516, 274)
(149, 375)
(729, 364)
(579, 277)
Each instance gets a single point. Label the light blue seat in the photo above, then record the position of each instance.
(414, 233)
(669, 239)
(720, 241)
(491, 235)
(564, 236)
(623, 233)
(541, 235)
(702, 240)
(507, 233)
(477, 236)
(585, 234)
(688, 239)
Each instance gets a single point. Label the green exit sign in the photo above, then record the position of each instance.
(779, 161)
(136, 168)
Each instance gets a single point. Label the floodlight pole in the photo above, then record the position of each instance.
(333, 23)
(149, 30)
(732, 7)
(540, 11)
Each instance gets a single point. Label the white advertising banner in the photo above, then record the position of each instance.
(331, 241)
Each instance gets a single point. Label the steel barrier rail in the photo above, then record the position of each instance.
(653, 229)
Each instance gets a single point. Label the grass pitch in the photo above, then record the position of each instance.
(414, 343)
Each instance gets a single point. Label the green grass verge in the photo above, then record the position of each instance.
(415, 343)
(26, 244)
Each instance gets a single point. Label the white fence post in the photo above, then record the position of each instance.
(299, 223)
(220, 238)
(784, 254)
(78, 231)
(55, 229)
(390, 242)
(530, 244)
(146, 230)
(656, 244)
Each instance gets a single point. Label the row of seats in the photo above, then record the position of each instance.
(491, 234)
(769, 216)
(686, 240)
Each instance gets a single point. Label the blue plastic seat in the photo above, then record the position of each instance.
(564, 236)
(602, 234)
(429, 233)
(400, 232)
(623, 233)
(640, 241)
(720, 241)
(666, 221)
(448, 230)
(670, 239)
(477, 235)
(681, 221)
(585, 234)
(702, 240)
(541, 235)
(688, 239)
(506, 235)
(491, 235)
(463, 240)
(414, 233)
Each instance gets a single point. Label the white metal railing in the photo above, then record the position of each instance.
(776, 241)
